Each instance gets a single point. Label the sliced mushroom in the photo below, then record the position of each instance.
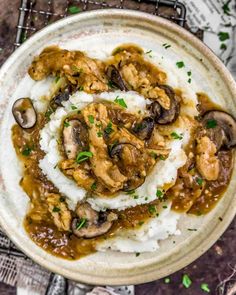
(144, 129)
(115, 77)
(61, 96)
(130, 162)
(75, 137)
(221, 128)
(163, 116)
(89, 223)
(24, 113)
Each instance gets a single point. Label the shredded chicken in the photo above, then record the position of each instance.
(78, 68)
(206, 160)
(59, 211)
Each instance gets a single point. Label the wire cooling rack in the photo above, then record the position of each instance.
(36, 14)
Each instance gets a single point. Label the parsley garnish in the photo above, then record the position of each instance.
(135, 197)
(93, 186)
(130, 192)
(108, 129)
(167, 280)
(164, 207)
(166, 46)
(199, 181)
(159, 194)
(152, 209)
(189, 73)
(186, 281)
(211, 123)
(81, 88)
(223, 36)
(137, 254)
(205, 287)
(121, 102)
(73, 107)
(62, 199)
(153, 155)
(162, 158)
(111, 84)
(66, 124)
(99, 134)
(26, 151)
(48, 113)
(74, 9)
(148, 52)
(81, 223)
(141, 223)
(175, 135)
(223, 46)
(91, 119)
(189, 80)
(57, 79)
(180, 64)
(192, 229)
(56, 209)
(83, 156)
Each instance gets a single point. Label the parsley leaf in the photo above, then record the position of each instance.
(91, 119)
(81, 223)
(93, 186)
(211, 123)
(56, 209)
(223, 36)
(152, 209)
(74, 9)
(99, 133)
(26, 151)
(189, 73)
(121, 102)
(66, 124)
(180, 64)
(73, 107)
(159, 194)
(83, 156)
(166, 46)
(223, 46)
(108, 129)
(175, 135)
(137, 254)
(199, 181)
(57, 79)
(226, 8)
(186, 281)
(205, 287)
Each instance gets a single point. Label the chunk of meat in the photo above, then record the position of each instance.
(59, 210)
(104, 169)
(78, 68)
(206, 160)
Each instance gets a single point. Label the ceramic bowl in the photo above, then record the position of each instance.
(108, 28)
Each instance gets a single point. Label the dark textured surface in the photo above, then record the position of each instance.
(211, 268)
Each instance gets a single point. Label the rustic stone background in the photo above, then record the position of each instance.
(211, 268)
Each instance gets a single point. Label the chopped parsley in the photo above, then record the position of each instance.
(159, 194)
(167, 280)
(99, 133)
(108, 129)
(56, 209)
(81, 88)
(73, 107)
(162, 158)
(81, 223)
(135, 197)
(166, 46)
(141, 223)
(192, 229)
(48, 113)
(186, 281)
(83, 156)
(26, 151)
(121, 102)
(111, 84)
(211, 123)
(93, 186)
(223, 46)
(66, 124)
(91, 119)
(175, 135)
(130, 192)
(146, 198)
(152, 209)
(164, 207)
(137, 254)
(57, 79)
(74, 9)
(180, 64)
(220, 219)
(223, 36)
(153, 155)
(148, 52)
(189, 80)
(189, 73)
(62, 199)
(205, 287)
(199, 181)
(226, 8)
(157, 215)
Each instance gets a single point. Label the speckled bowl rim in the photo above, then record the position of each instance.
(227, 79)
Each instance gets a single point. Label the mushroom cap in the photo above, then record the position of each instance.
(115, 77)
(24, 113)
(144, 129)
(222, 129)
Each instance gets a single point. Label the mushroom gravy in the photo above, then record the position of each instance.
(129, 144)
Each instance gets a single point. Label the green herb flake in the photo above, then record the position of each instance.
(56, 209)
(192, 229)
(205, 288)
(220, 219)
(121, 102)
(189, 73)
(157, 215)
(108, 129)
(223, 46)
(48, 113)
(73, 107)
(131, 192)
(74, 9)
(91, 119)
(166, 46)
(186, 281)
(153, 155)
(223, 36)
(135, 197)
(62, 199)
(226, 8)
(99, 134)
(137, 254)
(26, 151)
(159, 194)
(180, 64)
(162, 158)
(152, 209)
(83, 156)
(141, 223)
(66, 124)
(199, 181)
(93, 186)
(81, 223)
(57, 79)
(111, 84)
(175, 135)
(167, 280)
(55, 166)
(164, 207)
(211, 123)
(148, 52)
(189, 80)
(81, 88)
(146, 198)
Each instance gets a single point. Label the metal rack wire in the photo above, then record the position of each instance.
(35, 14)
